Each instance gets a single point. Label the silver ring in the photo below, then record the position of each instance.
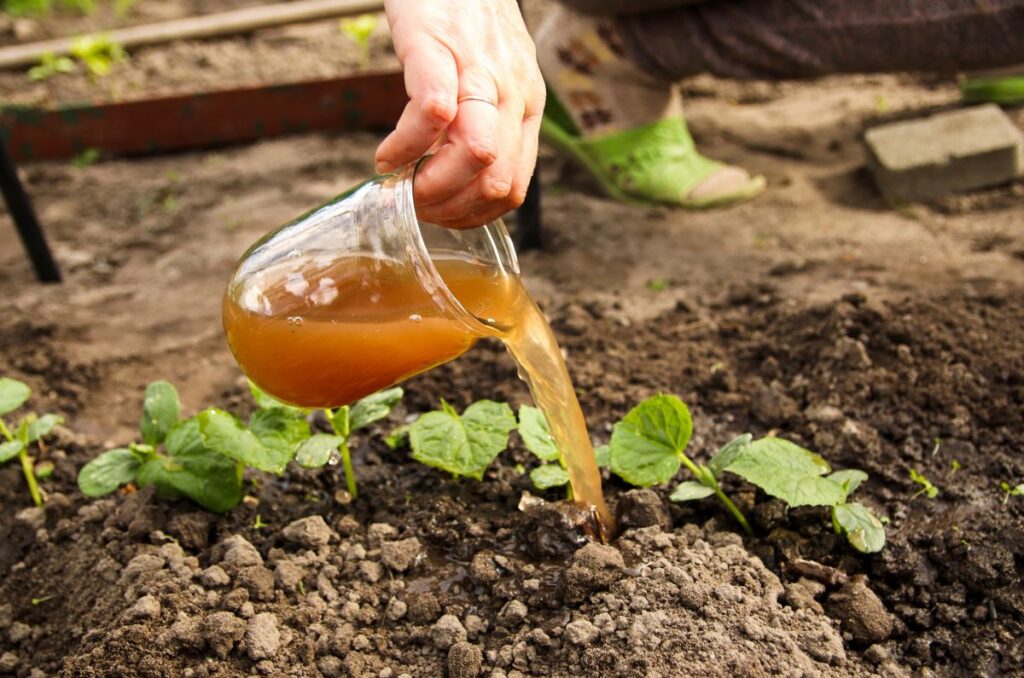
(474, 98)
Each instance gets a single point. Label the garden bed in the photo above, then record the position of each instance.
(883, 340)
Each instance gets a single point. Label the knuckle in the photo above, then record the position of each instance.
(496, 189)
(516, 196)
(439, 110)
(482, 152)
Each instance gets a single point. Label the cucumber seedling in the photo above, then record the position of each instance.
(30, 430)
(648, 447)
(320, 448)
(204, 457)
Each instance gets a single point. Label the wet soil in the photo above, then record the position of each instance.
(883, 339)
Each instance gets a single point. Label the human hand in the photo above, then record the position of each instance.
(476, 100)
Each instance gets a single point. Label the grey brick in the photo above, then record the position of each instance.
(947, 152)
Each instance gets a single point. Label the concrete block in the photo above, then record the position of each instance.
(959, 150)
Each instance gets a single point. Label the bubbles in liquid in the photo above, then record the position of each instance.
(375, 298)
(295, 321)
(415, 317)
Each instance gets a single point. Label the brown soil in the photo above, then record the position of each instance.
(885, 340)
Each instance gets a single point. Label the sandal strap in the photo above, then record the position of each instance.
(660, 159)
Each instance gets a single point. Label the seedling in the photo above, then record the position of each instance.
(1009, 491)
(648, 447)
(86, 158)
(320, 448)
(359, 29)
(658, 284)
(31, 429)
(954, 466)
(258, 524)
(927, 488)
(40, 601)
(98, 52)
(536, 435)
(463, 445)
(50, 65)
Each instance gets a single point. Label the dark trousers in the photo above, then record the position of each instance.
(773, 39)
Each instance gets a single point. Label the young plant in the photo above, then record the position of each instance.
(463, 445)
(30, 429)
(1009, 491)
(647, 448)
(50, 65)
(533, 429)
(927, 488)
(98, 52)
(359, 29)
(202, 457)
(321, 447)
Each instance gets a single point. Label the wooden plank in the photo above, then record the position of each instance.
(373, 101)
(192, 28)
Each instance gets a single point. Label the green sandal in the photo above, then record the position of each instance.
(1005, 90)
(653, 163)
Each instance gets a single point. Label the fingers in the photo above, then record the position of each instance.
(432, 83)
(473, 143)
(500, 187)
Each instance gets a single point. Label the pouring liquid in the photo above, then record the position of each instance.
(326, 332)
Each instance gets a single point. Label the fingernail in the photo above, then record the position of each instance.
(383, 167)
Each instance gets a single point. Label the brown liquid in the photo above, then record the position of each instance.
(343, 329)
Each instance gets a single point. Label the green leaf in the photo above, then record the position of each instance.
(160, 410)
(13, 394)
(536, 434)
(317, 450)
(788, 472)
(373, 408)
(603, 456)
(546, 476)
(266, 401)
(864, 531)
(41, 427)
(463, 445)
(207, 478)
(223, 433)
(10, 450)
(647, 445)
(340, 421)
(278, 424)
(107, 472)
(850, 479)
(728, 453)
(689, 490)
(184, 439)
(394, 439)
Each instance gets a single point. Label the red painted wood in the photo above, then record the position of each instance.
(372, 101)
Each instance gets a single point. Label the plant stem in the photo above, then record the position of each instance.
(28, 469)
(706, 478)
(835, 521)
(350, 474)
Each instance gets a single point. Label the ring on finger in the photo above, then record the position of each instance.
(470, 97)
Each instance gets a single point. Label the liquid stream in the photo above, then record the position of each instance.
(324, 332)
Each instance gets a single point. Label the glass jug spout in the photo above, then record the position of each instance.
(358, 294)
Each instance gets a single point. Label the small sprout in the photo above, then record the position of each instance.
(302, 587)
(359, 29)
(50, 65)
(519, 469)
(98, 52)
(86, 158)
(30, 430)
(44, 469)
(881, 104)
(938, 445)
(954, 466)
(40, 601)
(1009, 491)
(658, 284)
(258, 524)
(927, 488)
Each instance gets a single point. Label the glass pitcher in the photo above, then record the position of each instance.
(358, 295)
